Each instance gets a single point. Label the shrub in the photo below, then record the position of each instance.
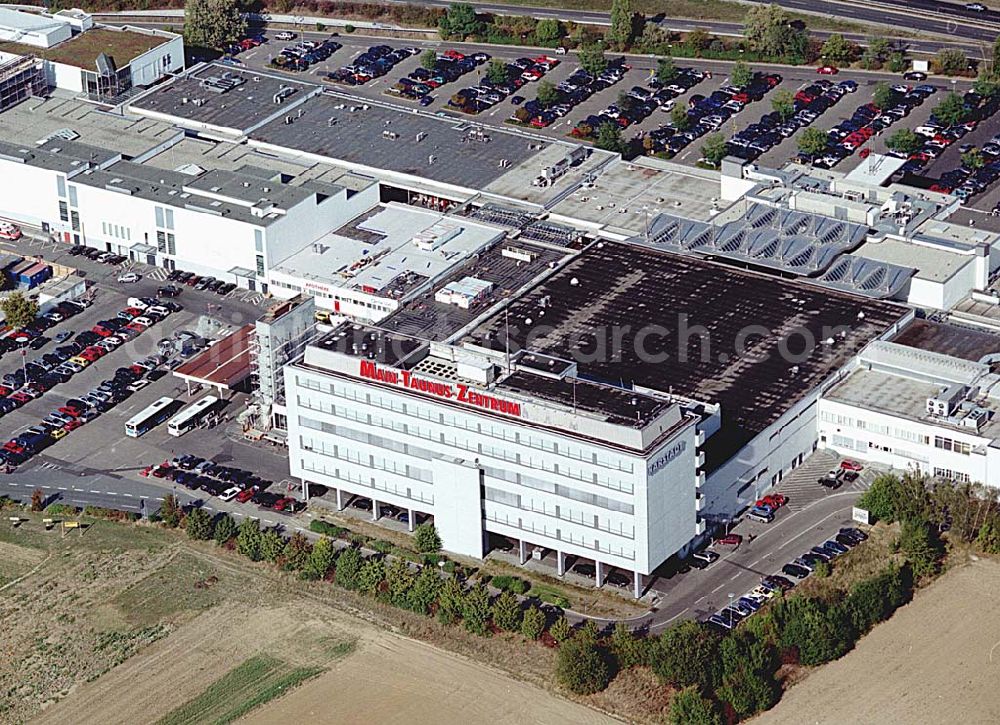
(248, 540)
(476, 610)
(382, 546)
(349, 28)
(348, 567)
(225, 529)
(61, 509)
(629, 649)
(560, 630)
(199, 525)
(921, 546)
(510, 584)
(507, 611)
(426, 539)
(688, 707)
(687, 654)
(580, 668)
(327, 529)
(533, 622)
(820, 633)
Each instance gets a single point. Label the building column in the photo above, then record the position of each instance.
(637, 583)
(305, 491)
(522, 551)
(560, 563)
(599, 578)
(374, 510)
(411, 519)
(340, 500)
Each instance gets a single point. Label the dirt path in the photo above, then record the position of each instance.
(392, 680)
(936, 661)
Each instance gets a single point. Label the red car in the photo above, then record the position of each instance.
(13, 446)
(244, 496)
(827, 70)
(849, 465)
(72, 425)
(20, 397)
(731, 540)
(100, 331)
(70, 410)
(136, 327)
(774, 500)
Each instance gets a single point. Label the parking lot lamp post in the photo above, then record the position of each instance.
(730, 610)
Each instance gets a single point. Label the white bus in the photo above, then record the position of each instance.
(149, 418)
(190, 417)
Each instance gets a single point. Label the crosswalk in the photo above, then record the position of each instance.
(254, 298)
(801, 485)
(49, 466)
(157, 273)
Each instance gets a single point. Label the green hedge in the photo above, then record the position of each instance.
(327, 529)
(510, 584)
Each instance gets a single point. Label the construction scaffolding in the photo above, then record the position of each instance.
(20, 79)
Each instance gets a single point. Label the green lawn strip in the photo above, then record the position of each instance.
(273, 690)
(227, 692)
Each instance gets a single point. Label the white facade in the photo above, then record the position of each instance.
(542, 474)
(36, 29)
(916, 411)
(183, 228)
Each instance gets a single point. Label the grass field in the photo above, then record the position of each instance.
(255, 682)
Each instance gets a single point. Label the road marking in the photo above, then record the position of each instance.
(92, 491)
(128, 495)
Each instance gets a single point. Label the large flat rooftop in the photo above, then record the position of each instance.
(960, 342)
(377, 252)
(82, 50)
(30, 122)
(361, 133)
(198, 98)
(708, 332)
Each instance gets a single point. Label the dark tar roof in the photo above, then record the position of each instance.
(960, 342)
(689, 309)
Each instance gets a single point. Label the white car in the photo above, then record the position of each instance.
(129, 278)
(157, 310)
(229, 494)
(976, 7)
(285, 35)
(145, 321)
(138, 385)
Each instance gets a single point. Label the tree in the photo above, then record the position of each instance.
(272, 545)
(973, 159)
(679, 117)
(507, 611)
(450, 601)
(629, 649)
(560, 630)
(838, 50)
(921, 546)
(898, 61)
(320, 558)
(371, 575)
(748, 692)
(819, 633)
(988, 538)
(769, 32)
(533, 622)
(297, 552)
(476, 610)
(951, 110)
(213, 23)
(904, 141)
(879, 47)
(428, 59)
(18, 310)
(425, 590)
(951, 61)
(548, 94)
(783, 102)
(37, 500)
(225, 529)
(666, 71)
(622, 24)
(812, 141)
(891, 498)
(687, 654)
(883, 96)
(199, 525)
(580, 668)
(741, 75)
(497, 72)
(592, 60)
(688, 707)
(714, 149)
(399, 580)
(874, 599)
(609, 138)
(248, 540)
(426, 538)
(548, 31)
(987, 84)
(460, 21)
(697, 40)
(348, 568)
(170, 511)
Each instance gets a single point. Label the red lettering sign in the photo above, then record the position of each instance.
(460, 392)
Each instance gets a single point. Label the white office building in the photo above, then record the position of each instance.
(916, 410)
(233, 225)
(556, 463)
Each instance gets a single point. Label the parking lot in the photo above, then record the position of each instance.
(640, 74)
